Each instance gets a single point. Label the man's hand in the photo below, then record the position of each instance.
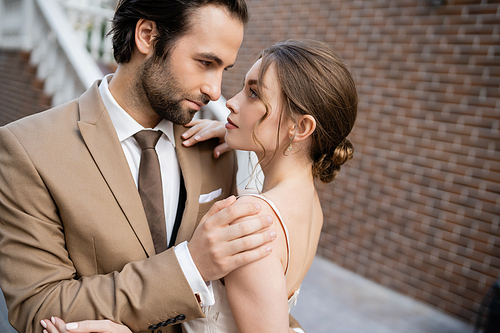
(218, 247)
(205, 129)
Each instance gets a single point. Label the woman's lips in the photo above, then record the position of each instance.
(230, 124)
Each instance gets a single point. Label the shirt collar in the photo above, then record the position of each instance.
(124, 124)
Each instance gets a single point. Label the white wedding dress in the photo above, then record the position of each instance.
(219, 318)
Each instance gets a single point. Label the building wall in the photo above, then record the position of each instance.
(417, 209)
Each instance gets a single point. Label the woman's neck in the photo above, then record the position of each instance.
(286, 168)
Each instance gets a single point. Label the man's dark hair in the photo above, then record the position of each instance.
(172, 18)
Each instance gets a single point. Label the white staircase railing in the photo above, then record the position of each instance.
(41, 27)
(91, 21)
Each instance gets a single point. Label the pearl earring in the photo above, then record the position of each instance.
(289, 147)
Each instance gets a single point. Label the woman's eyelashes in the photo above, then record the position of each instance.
(253, 93)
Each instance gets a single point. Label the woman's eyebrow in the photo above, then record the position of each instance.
(250, 81)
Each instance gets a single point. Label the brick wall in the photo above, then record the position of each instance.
(21, 94)
(417, 209)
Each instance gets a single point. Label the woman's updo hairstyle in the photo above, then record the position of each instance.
(315, 81)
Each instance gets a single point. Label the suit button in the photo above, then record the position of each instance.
(180, 317)
(153, 327)
(171, 321)
(163, 324)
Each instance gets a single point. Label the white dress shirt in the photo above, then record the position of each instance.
(126, 127)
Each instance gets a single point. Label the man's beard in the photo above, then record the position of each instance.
(164, 94)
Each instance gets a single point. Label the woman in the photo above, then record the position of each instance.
(297, 106)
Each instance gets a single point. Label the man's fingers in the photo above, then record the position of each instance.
(223, 217)
(247, 257)
(217, 243)
(218, 206)
(251, 242)
(248, 227)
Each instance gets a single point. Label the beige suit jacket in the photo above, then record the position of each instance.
(74, 240)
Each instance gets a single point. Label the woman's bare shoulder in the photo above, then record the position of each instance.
(258, 200)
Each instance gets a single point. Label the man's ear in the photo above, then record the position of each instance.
(306, 125)
(145, 31)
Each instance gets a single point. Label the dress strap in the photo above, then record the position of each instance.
(282, 222)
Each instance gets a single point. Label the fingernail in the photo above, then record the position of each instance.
(273, 234)
(269, 249)
(45, 331)
(44, 324)
(257, 206)
(197, 138)
(269, 219)
(217, 154)
(184, 135)
(53, 320)
(71, 326)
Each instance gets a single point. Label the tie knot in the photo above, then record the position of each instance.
(147, 139)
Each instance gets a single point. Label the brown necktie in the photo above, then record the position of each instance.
(150, 188)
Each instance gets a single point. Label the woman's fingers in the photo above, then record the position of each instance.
(221, 149)
(98, 326)
(54, 325)
(195, 127)
(202, 130)
(57, 325)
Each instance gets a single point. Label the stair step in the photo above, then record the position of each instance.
(21, 93)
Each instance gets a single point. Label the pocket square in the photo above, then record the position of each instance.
(210, 196)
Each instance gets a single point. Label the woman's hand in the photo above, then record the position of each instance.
(205, 129)
(57, 325)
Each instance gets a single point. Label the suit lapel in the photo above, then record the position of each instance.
(189, 161)
(102, 142)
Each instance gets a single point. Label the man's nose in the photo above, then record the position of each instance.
(212, 88)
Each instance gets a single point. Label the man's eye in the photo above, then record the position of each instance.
(253, 93)
(205, 63)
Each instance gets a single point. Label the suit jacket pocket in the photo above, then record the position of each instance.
(206, 202)
(210, 196)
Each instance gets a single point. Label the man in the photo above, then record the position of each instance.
(74, 235)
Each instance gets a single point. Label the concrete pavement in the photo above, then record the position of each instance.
(335, 300)
(4, 323)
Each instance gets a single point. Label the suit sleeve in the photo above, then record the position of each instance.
(38, 276)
